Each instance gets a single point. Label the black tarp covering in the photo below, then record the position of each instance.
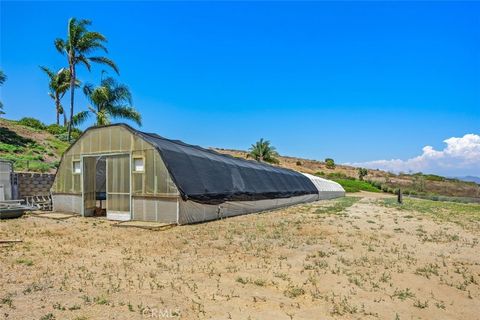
(206, 176)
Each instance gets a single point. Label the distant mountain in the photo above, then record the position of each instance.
(470, 179)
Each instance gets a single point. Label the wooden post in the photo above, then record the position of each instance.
(400, 196)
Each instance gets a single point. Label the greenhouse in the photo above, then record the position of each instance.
(126, 174)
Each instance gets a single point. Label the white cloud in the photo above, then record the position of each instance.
(460, 157)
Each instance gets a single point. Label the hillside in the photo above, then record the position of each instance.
(38, 150)
(28, 148)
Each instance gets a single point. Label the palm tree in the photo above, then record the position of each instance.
(3, 78)
(58, 85)
(262, 150)
(77, 47)
(109, 100)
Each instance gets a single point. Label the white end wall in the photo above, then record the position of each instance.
(327, 189)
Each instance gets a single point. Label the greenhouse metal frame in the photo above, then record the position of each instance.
(127, 174)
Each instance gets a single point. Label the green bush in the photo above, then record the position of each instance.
(330, 163)
(32, 123)
(376, 184)
(64, 136)
(362, 172)
(56, 129)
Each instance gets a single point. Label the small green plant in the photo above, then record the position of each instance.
(58, 306)
(293, 292)
(403, 294)
(428, 270)
(26, 262)
(48, 316)
(7, 300)
(242, 280)
(74, 307)
(420, 304)
(101, 300)
(260, 282)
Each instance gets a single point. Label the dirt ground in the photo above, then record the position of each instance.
(352, 258)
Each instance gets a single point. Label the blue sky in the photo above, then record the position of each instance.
(356, 81)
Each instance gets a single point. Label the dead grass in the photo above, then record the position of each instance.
(348, 258)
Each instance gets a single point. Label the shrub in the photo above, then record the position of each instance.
(299, 163)
(330, 163)
(56, 129)
(62, 136)
(32, 123)
(293, 292)
(362, 172)
(376, 184)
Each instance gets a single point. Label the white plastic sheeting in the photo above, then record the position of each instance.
(327, 189)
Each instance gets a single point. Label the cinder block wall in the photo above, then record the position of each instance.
(33, 184)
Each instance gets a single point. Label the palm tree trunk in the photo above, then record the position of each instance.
(57, 105)
(72, 98)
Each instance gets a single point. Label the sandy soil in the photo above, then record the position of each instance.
(364, 261)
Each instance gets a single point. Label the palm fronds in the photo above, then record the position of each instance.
(78, 46)
(262, 150)
(110, 100)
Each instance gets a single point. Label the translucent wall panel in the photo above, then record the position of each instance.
(118, 183)
(155, 180)
(66, 181)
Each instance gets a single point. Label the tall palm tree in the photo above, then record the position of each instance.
(109, 100)
(3, 78)
(77, 47)
(59, 84)
(262, 150)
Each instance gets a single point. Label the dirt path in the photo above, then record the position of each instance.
(352, 258)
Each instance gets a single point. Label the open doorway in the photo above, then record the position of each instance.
(106, 186)
(94, 186)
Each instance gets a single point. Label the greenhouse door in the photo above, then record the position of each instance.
(88, 174)
(118, 187)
